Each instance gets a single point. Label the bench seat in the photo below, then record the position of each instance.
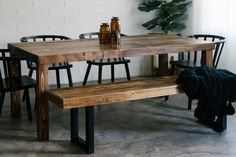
(92, 95)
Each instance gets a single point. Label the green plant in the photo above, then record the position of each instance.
(171, 15)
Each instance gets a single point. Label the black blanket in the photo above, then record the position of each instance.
(213, 88)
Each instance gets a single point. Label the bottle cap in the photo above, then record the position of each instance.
(115, 18)
(104, 24)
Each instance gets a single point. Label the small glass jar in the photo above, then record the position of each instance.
(115, 24)
(115, 30)
(104, 35)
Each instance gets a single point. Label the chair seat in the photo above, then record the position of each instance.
(109, 61)
(18, 83)
(185, 64)
(54, 66)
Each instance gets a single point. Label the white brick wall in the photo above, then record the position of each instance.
(16, 3)
(71, 17)
(32, 11)
(49, 3)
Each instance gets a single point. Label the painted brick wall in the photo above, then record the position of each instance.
(70, 18)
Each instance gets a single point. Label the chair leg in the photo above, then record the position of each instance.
(35, 103)
(58, 78)
(30, 75)
(99, 74)
(69, 77)
(172, 73)
(167, 98)
(221, 123)
(189, 104)
(127, 71)
(30, 72)
(112, 73)
(87, 74)
(2, 96)
(28, 105)
(99, 79)
(172, 69)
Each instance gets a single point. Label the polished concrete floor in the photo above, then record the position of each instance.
(146, 128)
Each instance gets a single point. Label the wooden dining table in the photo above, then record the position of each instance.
(45, 53)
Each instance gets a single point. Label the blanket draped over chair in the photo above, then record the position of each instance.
(213, 88)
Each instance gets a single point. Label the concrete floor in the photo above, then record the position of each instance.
(146, 128)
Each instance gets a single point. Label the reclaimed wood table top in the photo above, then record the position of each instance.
(79, 50)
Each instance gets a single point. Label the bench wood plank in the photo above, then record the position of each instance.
(92, 95)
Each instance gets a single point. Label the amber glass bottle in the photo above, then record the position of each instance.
(104, 35)
(115, 30)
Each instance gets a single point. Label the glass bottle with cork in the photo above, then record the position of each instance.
(115, 30)
(104, 35)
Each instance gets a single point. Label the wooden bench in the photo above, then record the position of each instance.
(92, 95)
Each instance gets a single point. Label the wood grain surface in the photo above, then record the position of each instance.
(131, 46)
(92, 95)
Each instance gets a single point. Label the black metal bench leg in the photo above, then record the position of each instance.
(90, 129)
(74, 116)
(88, 144)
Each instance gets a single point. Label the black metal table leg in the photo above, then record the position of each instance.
(74, 116)
(88, 144)
(90, 129)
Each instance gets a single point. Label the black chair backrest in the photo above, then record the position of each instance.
(91, 35)
(36, 38)
(4, 53)
(219, 45)
(6, 60)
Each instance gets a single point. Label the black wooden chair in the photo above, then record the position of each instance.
(194, 61)
(57, 66)
(103, 62)
(9, 82)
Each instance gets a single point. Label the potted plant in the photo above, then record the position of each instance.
(171, 14)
